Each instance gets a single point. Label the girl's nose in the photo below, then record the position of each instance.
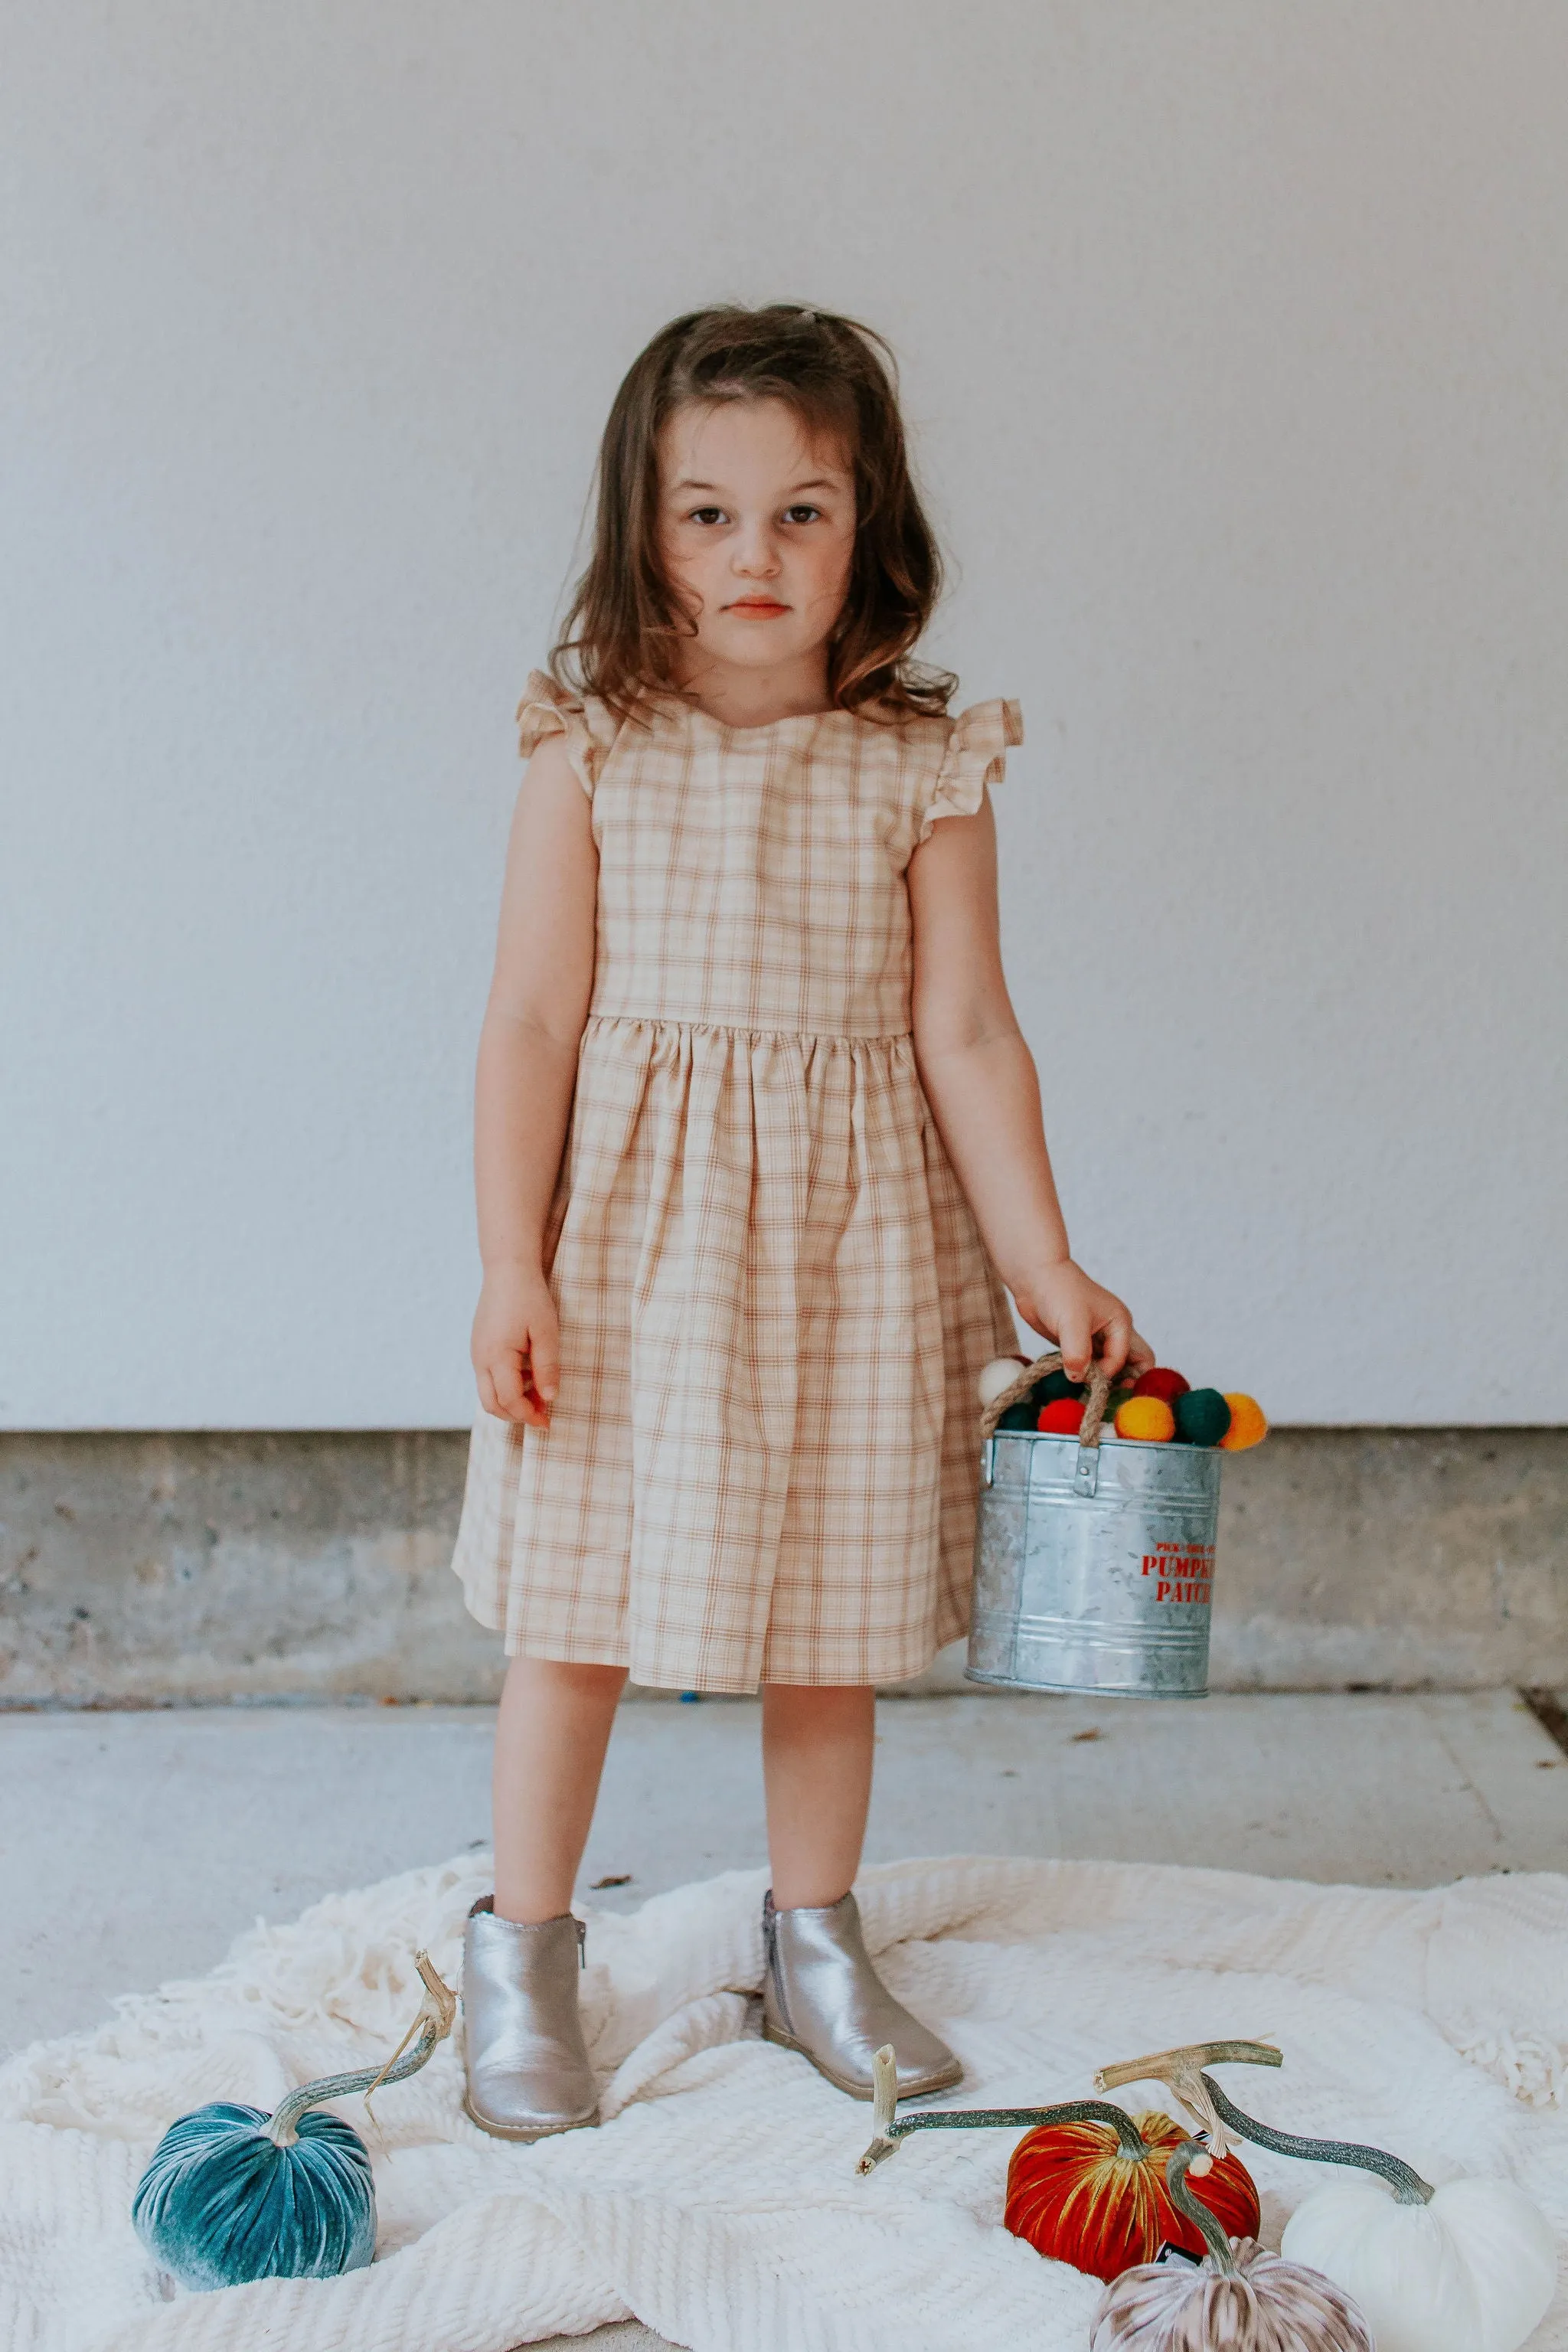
(756, 555)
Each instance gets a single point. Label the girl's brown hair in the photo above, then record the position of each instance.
(839, 377)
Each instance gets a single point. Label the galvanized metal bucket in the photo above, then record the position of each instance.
(1093, 1564)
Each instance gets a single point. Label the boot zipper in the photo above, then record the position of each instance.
(770, 1958)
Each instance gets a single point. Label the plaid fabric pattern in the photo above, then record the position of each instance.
(762, 1464)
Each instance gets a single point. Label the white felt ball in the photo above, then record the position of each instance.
(998, 1374)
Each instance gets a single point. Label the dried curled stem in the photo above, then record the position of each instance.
(1193, 2156)
(1182, 2071)
(1406, 2183)
(430, 2027)
(1223, 2121)
(891, 2130)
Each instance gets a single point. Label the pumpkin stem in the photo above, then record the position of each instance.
(1181, 2070)
(1191, 2153)
(884, 2090)
(1407, 2185)
(431, 2026)
(890, 2131)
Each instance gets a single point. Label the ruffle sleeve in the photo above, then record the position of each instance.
(976, 756)
(548, 709)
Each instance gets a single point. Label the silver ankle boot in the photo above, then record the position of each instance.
(522, 2037)
(822, 1997)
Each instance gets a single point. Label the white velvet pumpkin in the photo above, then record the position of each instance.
(1471, 2271)
(1261, 2305)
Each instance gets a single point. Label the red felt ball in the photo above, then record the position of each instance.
(1166, 1385)
(1062, 1418)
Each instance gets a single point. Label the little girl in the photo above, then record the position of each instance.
(758, 1145)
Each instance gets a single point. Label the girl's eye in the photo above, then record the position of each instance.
(803, 514)
(706, 514)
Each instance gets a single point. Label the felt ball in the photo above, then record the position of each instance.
(1057, 1385)
(1248, 1425)
(1203, 1417)
(1163, 1384)
(998, 1374)
(1061, 1418)
(1018, 1416)
(1147, 1420)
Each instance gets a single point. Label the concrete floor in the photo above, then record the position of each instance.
(134, 1846)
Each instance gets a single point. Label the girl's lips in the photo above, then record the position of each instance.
(756, 608)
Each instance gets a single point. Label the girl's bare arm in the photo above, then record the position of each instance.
(979, 1077)
(527, 1071)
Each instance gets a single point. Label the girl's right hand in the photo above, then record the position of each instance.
(516, 1345)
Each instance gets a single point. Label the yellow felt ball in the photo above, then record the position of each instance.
(1147, 1418)
(1248, 1425)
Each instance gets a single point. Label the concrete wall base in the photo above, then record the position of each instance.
(156, 1569)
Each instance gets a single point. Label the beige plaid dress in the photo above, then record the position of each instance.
(762, 1464)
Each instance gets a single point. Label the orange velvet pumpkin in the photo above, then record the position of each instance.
(1075, 2194)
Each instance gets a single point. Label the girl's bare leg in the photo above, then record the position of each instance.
(551, 1738)
(821, 1994)
(817, 1747)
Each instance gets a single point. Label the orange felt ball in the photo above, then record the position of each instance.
(1163, 1383)
(1063, 1417)
(1147, 1418)
(1249, 1425)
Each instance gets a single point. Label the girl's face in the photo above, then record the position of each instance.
(756, 533)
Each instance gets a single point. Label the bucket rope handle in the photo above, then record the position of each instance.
(1017, 1390)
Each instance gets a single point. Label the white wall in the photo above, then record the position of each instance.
(1234, 338)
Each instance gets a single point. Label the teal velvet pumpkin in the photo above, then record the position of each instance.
(222, 2202)
(232, 2194)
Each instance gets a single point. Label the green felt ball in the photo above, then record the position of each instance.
(1203, 1417)
(1055, 1386)
(1018, 1416)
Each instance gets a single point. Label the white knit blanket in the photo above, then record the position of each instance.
(719, 2202)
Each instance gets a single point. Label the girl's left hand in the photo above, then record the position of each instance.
(1062, 1304)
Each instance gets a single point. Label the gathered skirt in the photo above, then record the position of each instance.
(763, 1462)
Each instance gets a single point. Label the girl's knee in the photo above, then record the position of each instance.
(566, 1677)
(819, 1701)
